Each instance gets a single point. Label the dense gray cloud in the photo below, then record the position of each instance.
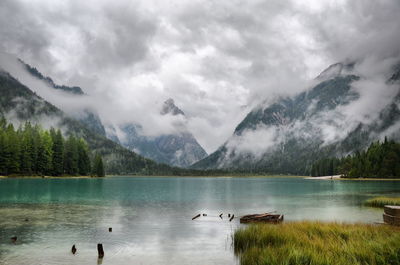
(217, 59)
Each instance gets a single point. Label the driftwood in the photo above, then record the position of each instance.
(262, 218)
(73, 249)
(100, 250)
(197, 216)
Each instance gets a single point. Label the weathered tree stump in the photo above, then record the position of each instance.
(391, 215)
(100, 250)
(73, 249)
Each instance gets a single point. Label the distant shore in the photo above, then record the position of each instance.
(339, 177)
(47, 177)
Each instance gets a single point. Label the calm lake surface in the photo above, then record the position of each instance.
(151, 217)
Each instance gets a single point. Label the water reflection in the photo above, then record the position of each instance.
(151, 217)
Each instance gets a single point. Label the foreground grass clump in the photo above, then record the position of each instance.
(316, 243)
(382, 201)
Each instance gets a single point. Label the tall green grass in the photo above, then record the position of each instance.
(315, 243)
(382, 201)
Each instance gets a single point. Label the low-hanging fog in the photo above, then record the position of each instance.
(216, 59)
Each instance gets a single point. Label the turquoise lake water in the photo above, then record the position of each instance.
(151, 217)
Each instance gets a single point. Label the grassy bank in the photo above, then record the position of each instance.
(382, 201)
(317, 243)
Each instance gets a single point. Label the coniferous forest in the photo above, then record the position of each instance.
(380, 160)
(31, 150)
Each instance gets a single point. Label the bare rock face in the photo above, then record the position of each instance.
(290, 134)
(179, 149)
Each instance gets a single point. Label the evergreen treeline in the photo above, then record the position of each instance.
(380, 160)
(30, 150)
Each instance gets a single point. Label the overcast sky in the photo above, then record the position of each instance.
(216, 59)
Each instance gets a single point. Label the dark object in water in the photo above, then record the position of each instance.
(233, 216)
(204, 214)
(14, 239)
(110, 229)
(262, 218)
(220, 216)
(197, 216)
(100, 250)
(73, 249)
(26, 219)
(229, 215)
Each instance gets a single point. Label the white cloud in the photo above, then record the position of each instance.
(217, 59)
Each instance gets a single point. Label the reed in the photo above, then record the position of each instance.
(317, 243)
(382, 201)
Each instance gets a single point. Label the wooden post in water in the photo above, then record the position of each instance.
(100, 250)
(73, 249)
(197, 216)
(231, 218)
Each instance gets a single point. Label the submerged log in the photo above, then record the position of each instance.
(14, 239)
(233, 216)
(73, 249)
(197, 216)
(100, 250)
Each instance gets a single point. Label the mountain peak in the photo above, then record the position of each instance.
(169, 107)
(335, 70)
(35, 72)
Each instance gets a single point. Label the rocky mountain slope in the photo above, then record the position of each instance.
(19, 104)
(327, 120)
(178, 149)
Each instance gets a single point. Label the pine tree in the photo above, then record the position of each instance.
(83, 158)
(98, 167)
(71, 156)
(12, 151)
(45, 153)
(58, 153)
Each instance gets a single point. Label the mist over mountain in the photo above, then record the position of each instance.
(177, 148)
(344, 112)
(247, 79)
(19, 104)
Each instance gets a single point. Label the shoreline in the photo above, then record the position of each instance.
(339, 177)
(335, 177)
(48, 177)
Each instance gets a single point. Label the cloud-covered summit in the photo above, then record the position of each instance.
(217, 59)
